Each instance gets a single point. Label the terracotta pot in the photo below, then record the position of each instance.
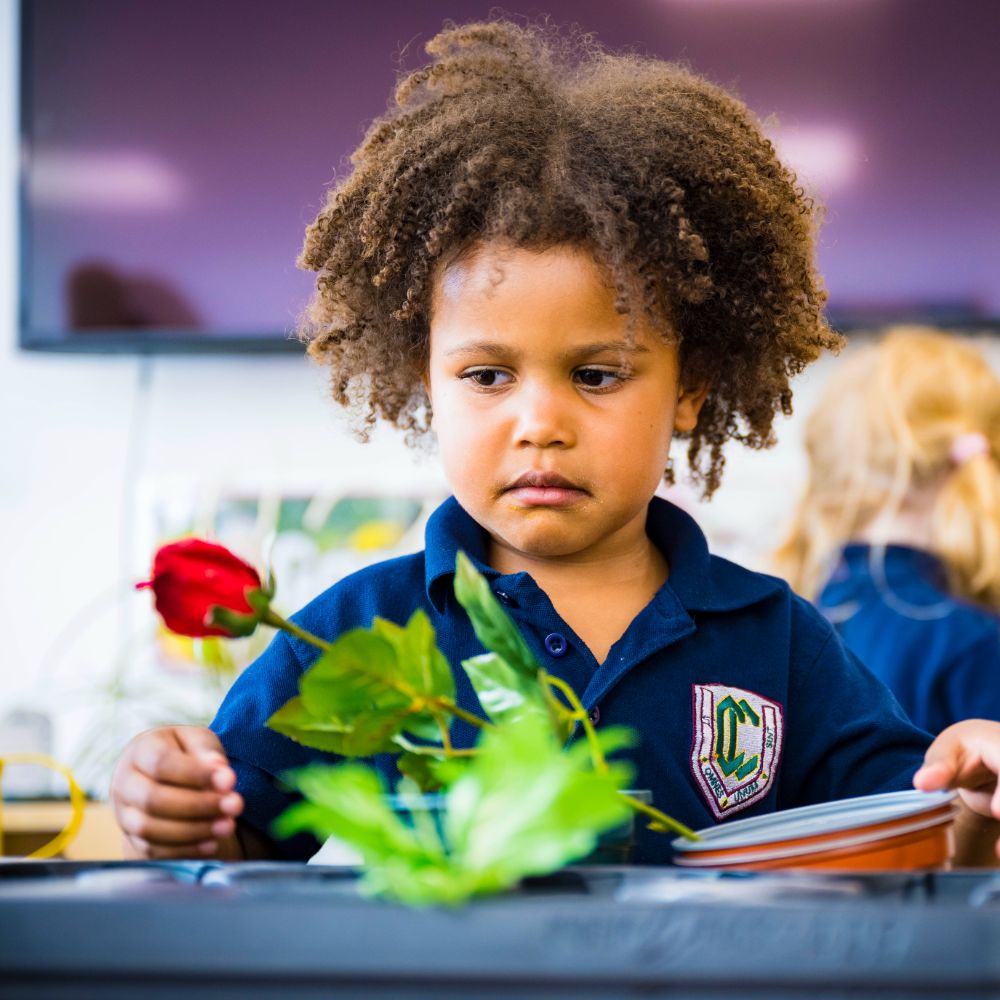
(898, 831)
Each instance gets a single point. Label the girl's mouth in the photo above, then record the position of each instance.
(545, 496)
(544, 489)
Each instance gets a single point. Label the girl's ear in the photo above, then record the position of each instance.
(689, 403)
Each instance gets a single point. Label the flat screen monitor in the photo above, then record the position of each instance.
(173, 151)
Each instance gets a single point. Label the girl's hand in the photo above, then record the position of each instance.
(966, 756)
(172, 793)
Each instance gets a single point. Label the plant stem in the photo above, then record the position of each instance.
(580, 714)
(433, 751)
(600, 764)
(445, 735)
(460, 713)
(275, 620)
(660, 817)
(558, 712)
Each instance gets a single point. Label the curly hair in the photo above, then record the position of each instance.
(537, 138)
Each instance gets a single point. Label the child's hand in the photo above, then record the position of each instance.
(173, 797)
(966, 756)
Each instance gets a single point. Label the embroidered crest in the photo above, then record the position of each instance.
(736, 746)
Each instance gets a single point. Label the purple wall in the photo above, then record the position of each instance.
(184, 145)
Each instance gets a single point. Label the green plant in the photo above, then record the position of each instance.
(520, 802)
(516, 804)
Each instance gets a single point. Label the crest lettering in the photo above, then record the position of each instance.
(736, 746)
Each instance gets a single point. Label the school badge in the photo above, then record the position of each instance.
(735, 747)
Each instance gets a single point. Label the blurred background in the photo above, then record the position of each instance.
(159, 160)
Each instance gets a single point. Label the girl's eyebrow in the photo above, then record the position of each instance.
(497, 348)
(606, 346)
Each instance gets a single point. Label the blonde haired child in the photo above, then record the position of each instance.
(558, 259)
(897, 536)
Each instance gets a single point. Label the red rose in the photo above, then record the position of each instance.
(202, 589)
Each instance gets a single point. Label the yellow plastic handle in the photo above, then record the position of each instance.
(77, 800)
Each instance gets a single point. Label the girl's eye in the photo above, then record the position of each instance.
(599, 378)
(487, 378)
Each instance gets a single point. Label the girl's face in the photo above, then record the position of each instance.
(553, 430)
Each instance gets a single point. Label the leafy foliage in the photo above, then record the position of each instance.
(508, 681)
(518, 804)
(370, 686)
(492, 625)
(428, 772)
(521, 806)
(525, 806)
(505, 694)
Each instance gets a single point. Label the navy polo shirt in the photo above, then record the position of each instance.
(939, 655)
(742, 695)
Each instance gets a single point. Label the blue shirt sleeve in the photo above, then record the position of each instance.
(260, 755)
(849, 737)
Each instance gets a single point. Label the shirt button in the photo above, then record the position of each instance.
(555, 644)
(594, 715)
(504, 598)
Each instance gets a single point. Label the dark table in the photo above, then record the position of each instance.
(193, 930)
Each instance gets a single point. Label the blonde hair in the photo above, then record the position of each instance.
(884, 430)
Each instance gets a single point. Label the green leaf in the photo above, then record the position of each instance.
(506, 694)
(376, 732)
(361, 684)
(422, 666)
(523, 806)
(349, 801)
(420, 662)
(491, 623)
(369, 687)
(295, 721)
(358, 673)
(422, 814)
(421, 770)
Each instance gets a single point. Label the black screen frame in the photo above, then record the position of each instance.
(146, 340)
(166, 340)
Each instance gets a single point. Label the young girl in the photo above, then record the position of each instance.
(897, 538)
(558, 259)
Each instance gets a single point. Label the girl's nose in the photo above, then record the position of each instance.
(543, 419)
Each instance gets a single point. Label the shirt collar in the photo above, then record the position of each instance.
(450, 529)
(701, 581)
(896, 562)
